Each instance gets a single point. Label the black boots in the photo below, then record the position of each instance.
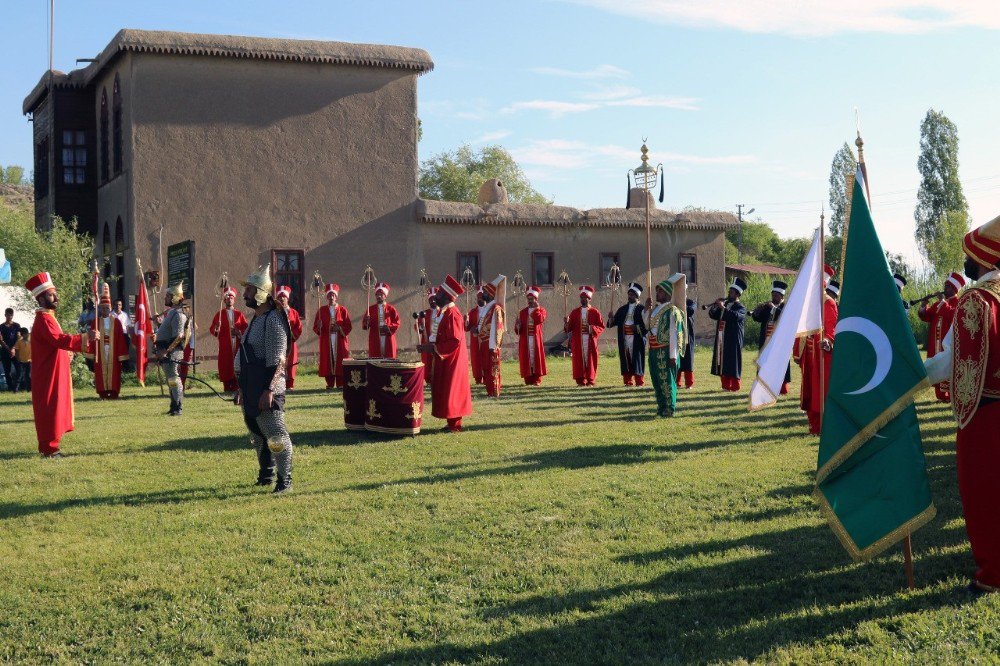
(284, 484)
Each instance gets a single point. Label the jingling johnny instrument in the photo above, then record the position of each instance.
(518, 284)
(368, 282)
(613, 285)
(317, 286)
(469, 283)
(565, 284)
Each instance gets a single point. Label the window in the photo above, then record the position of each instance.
(470, 260)
(543, 269)
(608, 259)
(42, 169)
(119, 256)
(116, 103)
(74, 157)
(105, 166)
(106, 248)
(689, 266)
(288, 269)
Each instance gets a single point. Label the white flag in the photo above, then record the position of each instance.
(803, 314)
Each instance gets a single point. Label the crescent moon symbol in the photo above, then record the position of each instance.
(879, 342)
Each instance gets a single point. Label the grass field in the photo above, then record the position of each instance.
(565, 526)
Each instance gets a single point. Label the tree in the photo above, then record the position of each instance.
(941, 205)
(458, 174)
(843, 165)
(12, 175)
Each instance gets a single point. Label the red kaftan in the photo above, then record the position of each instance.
(425, 324)
(295, 324)
(939, 316)
(473, 328)
(451, 394)
(229, 343)
(807, 352)
(108, 352)
(531, 333)
(584, 361)
(51, 385)
(332, 371)
(390, 318)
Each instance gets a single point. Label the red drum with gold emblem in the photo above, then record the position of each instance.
(355, 393)
(395, 396)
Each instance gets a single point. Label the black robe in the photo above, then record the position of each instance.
(638, 366)
(732, 339)
(763, 317)
(687, 361)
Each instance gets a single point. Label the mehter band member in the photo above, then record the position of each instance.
(109, 351)
(667, 331)
(815, 352)
(381, 321)
(170, 340)
(767, 315)
(727, 356)
(531, 342)
(451, 394)
(332, 325)
(472, 326)
(631, 325)
(584, 326)
(51, 384)
(685, 377)
(426, 322)
(295, 326)
(970, 360)
(491, 330)
(260, 371)
(939, 316)
(228, 326)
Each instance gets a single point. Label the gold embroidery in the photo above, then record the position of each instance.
(356, 382)
(372, 412)
(964, 383)
(970, 319)
(395, 386)
(969, 367)
(416, 412)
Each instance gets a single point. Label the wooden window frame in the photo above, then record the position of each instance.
(298, 300)
(693, 278)
(552, 268)
(78, 148)
(459, 268)
(602, 277)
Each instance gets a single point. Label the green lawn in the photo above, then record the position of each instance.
(565, 525)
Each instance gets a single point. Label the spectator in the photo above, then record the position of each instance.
(121, 315)
(22, 358)
(9, 333)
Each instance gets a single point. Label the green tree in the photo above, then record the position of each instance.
(941, 205)
(843, 165)
(946, 247)
(760, 243)
(457, 175)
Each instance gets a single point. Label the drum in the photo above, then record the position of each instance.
(355, 393)
(395, 396)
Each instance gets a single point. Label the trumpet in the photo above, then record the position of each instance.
(937, 294)
(726, 303)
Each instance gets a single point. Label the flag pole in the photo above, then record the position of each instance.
(822, 318)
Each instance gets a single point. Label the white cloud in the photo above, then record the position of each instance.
(680, 103)
(812, 19)
(554, 107)
(611, 92)
(599, 72)
(564, 154)
(558, 108)
(490, 137)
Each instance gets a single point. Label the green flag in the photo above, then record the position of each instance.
(871, 481)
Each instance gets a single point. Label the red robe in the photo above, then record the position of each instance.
(295, 324)
(451, 394)
(976, 403)
(489, 357)
(229, 344)
(807, 353)
(391, 320)
(584, 360)
(425, 322)
(108, 364)
(51, 385)
(334, 372)
(473, 328)
(939, 315)
(525, 329)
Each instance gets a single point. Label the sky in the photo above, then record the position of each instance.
(743, 101)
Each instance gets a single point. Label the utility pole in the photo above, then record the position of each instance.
(739, 215)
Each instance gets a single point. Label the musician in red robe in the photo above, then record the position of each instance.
(51, 384)
(472, 326)
(584, 326)
(426, 322)
(381, 321)
(939, 316)
(815, 351)
(492, 326)
(332, 324)
(531, 340)
(295, 326)
(109, 350)
(228, 326)
(451, 394)
(970, 360)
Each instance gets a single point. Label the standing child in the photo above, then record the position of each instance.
(22, 359)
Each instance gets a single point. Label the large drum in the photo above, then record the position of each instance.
(355, 393)
(395, 396)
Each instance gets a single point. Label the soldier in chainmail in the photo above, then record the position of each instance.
(260, 367)
(171, 336)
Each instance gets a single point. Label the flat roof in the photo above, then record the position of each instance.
(230, 46)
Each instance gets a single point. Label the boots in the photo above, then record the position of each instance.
(284, 484)
(173, 407)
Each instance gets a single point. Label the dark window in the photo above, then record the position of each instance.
(689, 266)
(608, 259)
(42, 169)
(470, 260)
(288, 269)
(106, 248)
(120, 247)
(105, 165)
(543, 269)
(116, 104)
(119, 235)
(74, 157)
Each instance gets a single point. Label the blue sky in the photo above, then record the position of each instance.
(744, 101)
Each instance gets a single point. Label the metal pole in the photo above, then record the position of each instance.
(52, 29)
(649, 251)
